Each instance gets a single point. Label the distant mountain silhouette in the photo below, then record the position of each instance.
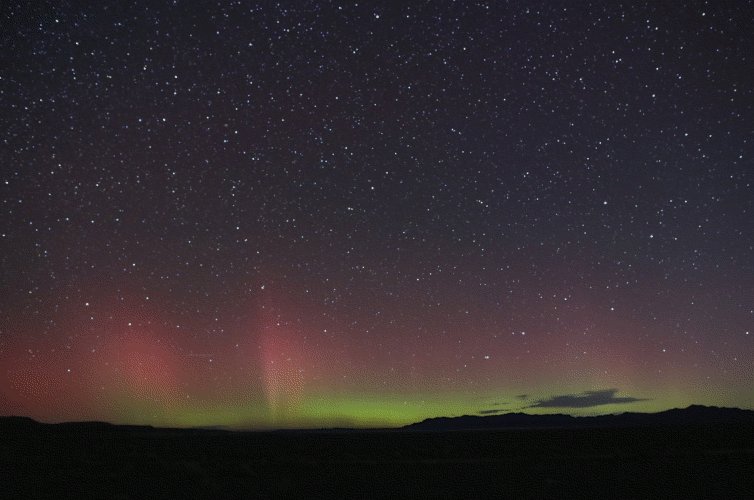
(620, 456)
(14, 423)
(693, 415)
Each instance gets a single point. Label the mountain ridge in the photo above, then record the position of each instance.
(691, 415)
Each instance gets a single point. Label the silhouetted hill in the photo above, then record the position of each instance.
(17, 424)
(21, 421)
(26, 423)
(693, 415)
(620, 456)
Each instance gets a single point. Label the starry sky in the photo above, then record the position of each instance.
(305, 214)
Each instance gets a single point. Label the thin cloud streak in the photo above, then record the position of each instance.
(586, 399)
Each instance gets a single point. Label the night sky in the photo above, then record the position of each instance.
(328, 213)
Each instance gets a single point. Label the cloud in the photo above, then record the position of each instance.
(490, 412)
(586, 399)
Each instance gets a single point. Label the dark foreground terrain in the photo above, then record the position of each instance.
(103, 461)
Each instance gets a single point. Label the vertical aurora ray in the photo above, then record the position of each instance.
(281, 360)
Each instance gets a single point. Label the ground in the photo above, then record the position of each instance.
(99, 461)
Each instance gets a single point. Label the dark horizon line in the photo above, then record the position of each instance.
(408, 426)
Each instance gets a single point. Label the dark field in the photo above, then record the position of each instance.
(100, 461)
